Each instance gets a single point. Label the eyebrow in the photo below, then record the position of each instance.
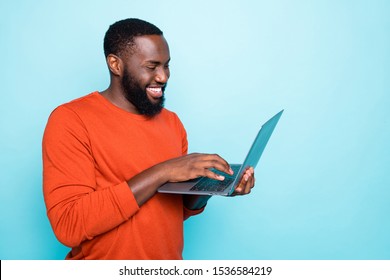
(157, 62)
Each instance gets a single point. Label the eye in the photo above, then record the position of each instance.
(151, 67)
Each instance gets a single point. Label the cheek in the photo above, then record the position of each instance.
(145, 78)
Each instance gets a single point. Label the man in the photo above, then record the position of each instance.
(106, 154)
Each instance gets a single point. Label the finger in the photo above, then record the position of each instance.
(217, 162)
(251, 179)
(246, 183)
(238, 189)
(199, 163)
(251, 170)
(208, 173)
(249, 185)
(241, 186)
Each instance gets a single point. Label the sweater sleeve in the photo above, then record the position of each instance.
(188, 212)
(77, 210)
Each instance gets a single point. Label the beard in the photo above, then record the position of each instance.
(138, 97)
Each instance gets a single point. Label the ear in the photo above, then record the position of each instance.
(115, 64)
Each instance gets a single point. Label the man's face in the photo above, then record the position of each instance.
(146, 73)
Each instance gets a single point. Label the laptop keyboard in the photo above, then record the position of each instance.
(211, 185)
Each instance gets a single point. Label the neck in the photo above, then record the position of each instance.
(117, 97)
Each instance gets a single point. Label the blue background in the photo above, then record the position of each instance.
(322, 185)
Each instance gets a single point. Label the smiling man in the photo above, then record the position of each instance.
(106, 154)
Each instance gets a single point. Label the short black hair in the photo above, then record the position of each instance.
(119, 37)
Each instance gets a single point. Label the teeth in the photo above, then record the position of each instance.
(155, 89)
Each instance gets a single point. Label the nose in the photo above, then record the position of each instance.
(162, 76)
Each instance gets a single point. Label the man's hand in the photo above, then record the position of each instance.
(196, 165)
(247, 182)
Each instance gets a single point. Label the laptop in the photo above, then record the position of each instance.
(208, 186)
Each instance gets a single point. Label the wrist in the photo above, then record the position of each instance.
(162, 171)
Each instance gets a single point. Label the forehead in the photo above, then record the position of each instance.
(151, 47)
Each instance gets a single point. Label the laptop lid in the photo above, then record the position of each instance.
(257, 148)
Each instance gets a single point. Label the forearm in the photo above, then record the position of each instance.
(145, 184)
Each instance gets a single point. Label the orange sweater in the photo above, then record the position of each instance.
(90, 149)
